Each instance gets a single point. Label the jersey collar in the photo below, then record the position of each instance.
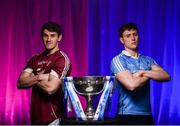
(129, 55)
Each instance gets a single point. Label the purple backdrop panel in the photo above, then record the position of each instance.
(20, 39)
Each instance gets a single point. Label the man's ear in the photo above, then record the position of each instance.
(121, 40)
(60, 37)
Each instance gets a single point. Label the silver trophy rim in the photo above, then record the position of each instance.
(90, 77)
(71, 79)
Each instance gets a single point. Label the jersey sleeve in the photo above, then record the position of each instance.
(29, 66)
(117, 65)
(61, 68)
(151, 61)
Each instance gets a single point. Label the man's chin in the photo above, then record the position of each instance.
(48, 48)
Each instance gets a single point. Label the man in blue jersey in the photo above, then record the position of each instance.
(133, 72)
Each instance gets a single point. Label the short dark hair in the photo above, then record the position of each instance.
(128, 26)
(51, 26)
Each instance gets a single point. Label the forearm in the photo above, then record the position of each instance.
(136, 82)
(131, 81)
(139, 81)
(158, 75)
(27, 82)
(50, 86)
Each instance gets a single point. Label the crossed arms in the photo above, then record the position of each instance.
(138, 79)
(47, 82)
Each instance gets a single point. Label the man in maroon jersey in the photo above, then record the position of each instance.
(44, 73)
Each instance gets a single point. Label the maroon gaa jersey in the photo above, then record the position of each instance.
(46, 108)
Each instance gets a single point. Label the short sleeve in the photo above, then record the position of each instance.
(29, 65)
(117, 65)
(61, 67)
(151, 61)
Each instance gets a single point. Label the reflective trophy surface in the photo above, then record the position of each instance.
(89, 86)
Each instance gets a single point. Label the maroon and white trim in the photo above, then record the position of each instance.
(66, 66)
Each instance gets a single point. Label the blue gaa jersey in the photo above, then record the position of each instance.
(132, 102)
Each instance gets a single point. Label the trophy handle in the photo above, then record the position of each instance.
(70, 79)
(107, 78)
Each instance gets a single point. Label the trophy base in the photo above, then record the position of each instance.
(89, 117)
(89, 112)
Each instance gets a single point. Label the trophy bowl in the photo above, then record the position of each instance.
(89, 86)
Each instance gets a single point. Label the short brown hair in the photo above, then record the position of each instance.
(51, 26)
(127, 26)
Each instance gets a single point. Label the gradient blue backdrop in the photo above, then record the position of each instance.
(158, 22)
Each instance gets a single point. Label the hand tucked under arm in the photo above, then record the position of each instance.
(48, 83)
(157, 73)
(43, 77)
(27, 80)
(132, 81)
(139, 73)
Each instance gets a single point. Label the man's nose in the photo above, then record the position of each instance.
(133, 37)
(49, 38)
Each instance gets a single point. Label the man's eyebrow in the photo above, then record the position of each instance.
(52, 33)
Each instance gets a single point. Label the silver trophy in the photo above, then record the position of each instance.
(90, 86)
